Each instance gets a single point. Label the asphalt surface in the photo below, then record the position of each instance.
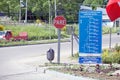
(17, 63)
(49, 75)
(25, 59)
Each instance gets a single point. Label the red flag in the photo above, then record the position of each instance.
(113, 9)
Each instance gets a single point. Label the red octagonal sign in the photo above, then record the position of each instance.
(59, 22)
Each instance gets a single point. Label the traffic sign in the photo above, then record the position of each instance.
(22, 4)
(90, 45)
(59, 22)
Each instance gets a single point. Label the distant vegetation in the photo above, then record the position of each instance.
(39, 9)
(36, 32)
(44, 32)
(106, 30)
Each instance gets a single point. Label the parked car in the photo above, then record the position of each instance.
(7, 35)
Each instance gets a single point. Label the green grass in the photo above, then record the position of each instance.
(4, 43)
(34, 32)
(45, 33)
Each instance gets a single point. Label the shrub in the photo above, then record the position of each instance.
(111, 56)
(117, 48)
(116, 57)
(106, 58)
(1, 27)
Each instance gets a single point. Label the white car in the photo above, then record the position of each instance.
(2, 35)
(5, 35)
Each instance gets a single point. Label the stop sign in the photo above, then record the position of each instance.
(59, 22)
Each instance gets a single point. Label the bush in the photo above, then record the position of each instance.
(111, 56)
(1, 27)
(106, 57)
(117, 48)
(116, 57)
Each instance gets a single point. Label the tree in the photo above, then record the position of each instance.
(95, 3)
(40, 8)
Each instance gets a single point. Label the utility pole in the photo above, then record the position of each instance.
(49, 1)
(20, 11)
(26, 12)
(55, 7)
(72, 33)
(20, 15)
(49, 13)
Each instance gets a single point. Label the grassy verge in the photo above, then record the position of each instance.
(21, 43)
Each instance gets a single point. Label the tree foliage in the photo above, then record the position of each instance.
(96, 3)
(40, 8)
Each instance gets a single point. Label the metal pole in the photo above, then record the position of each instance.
(49, 17)
(59, 37)
(26, 13)
(55, 13)
(119, 22)
(110, 39)
(71, 41)
(55, 7)
(49, 12)
(20, 15)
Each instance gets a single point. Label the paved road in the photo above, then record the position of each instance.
(49, 75)
(12, 58)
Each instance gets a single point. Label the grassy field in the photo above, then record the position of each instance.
(36, 32)
(43, 32)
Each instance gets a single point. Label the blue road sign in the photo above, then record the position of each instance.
(90, 36)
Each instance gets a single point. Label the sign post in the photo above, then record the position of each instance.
(59, 22)
(90, 40)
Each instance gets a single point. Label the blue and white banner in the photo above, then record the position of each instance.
(90, 36)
